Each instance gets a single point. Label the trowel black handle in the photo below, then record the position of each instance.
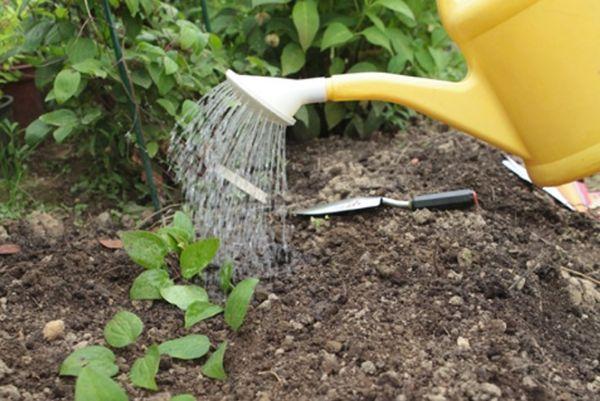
(460, 199)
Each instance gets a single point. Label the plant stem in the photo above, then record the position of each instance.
(135, 114)
(205, 16)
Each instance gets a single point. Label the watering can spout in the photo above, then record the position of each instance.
(468, 105)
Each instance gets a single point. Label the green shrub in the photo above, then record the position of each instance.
(307, 38)
(170, 60)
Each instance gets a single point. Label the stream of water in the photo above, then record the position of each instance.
(230, 160)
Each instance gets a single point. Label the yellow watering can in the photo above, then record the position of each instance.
(533, 87)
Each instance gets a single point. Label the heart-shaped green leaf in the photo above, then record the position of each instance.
(148, 284)
(188, 347)
(100, 358)
(199, 311)
(184, 295)
(195, 257)
(92, 385)
(123, 329)
(145, 248)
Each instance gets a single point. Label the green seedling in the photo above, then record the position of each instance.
(184, 223)
(183, 397)
(101, 359)
(95, 365)
(92, 385)
(213, 367)
(238, 301)
(318, 222)
(148, 284)
(144, 369)
(184, 295)
(145, 248)
(192, 346)
(199, 311)
(195, 257)
(226, 277)
(123, 329)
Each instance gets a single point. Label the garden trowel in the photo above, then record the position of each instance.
(458, 199)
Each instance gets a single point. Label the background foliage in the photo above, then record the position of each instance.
(172, 61)
(307, 38)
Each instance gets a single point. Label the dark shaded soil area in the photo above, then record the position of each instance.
(483, 304)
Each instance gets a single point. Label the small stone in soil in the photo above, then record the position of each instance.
(368, 367)
(333, 346)
(104, 219)
(329, 363)
(263, 396)
(422, 216)
(463, 344)
(465, 258)
(44, 225)
(9, 393)
(3, 234)
(456, 300)
(491, 389)
(4, 370)
(54, 329)
(166, 396)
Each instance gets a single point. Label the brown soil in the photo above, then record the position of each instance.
(384, 305)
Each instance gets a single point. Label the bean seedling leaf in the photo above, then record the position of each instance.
(237, 302)
(188, 347)
(100, 358)
(199, 311)
(92, 385)
(148, 284)
(184, 295)
(183, 397)
(145, 248)
(183, 222)
(123, 329)
(225, 277)
(213, 367)
(144, 369)
(174, 238)
(195, 257)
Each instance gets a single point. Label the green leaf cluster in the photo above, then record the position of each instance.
(170, 60)
(95, 365)
(321, 38)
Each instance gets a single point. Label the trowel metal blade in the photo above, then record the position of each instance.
(346, 205)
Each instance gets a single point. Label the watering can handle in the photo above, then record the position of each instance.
(470, 105)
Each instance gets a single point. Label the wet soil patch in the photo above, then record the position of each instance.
(479, 304)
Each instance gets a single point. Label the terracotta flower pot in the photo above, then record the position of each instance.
(28, 103)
